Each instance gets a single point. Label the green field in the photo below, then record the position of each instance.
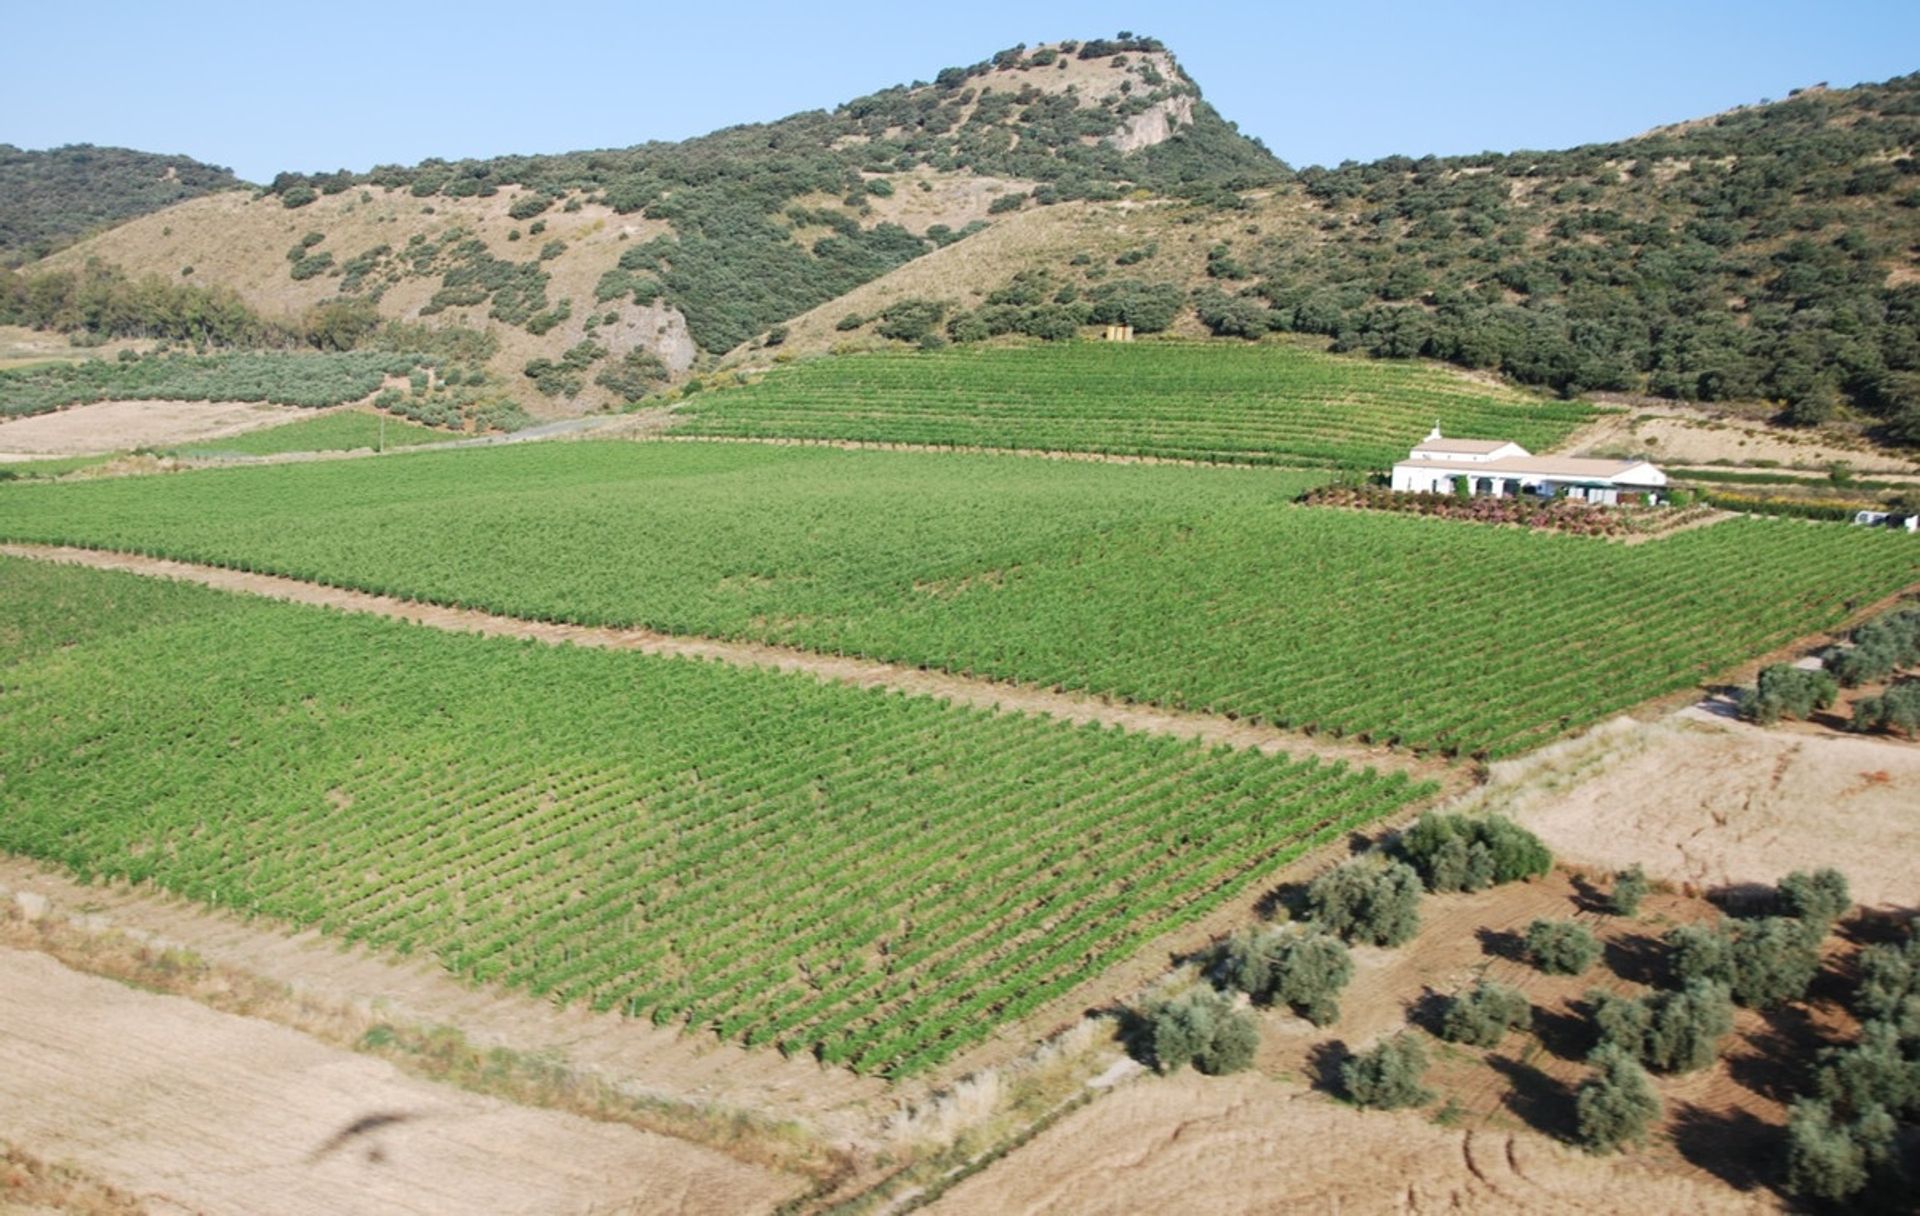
(1198, 588)
(346, 431)
(878, 878)
(1266, 404)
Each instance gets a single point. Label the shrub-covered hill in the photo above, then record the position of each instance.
(49, 198)
(662, 251)
(1770, 252)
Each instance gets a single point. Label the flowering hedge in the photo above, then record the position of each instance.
(1543, 514)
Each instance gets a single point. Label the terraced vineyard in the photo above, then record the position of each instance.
(876, 878)
(1195, 588)
(1266, 404)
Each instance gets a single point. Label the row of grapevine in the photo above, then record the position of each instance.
(1267, 404)
(876, 879)
(305, 378)
(1178, 586)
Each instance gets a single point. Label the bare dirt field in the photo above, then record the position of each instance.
(1698, 798)
(1674, 434)
(362, 989)
(114, 426)
(1251, 1144)
(193, 1110)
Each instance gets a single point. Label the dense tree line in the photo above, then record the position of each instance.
(50, 199)
(1744, 257)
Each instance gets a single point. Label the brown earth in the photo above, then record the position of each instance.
(193, 1110)
(117, 426)
(1679, 435)
(860, 673)
(1252, 1144)
(1698, 798)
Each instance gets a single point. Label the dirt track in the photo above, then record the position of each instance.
(200, 1111)
(861, 673)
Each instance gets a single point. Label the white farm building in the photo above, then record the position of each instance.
(1501, 468)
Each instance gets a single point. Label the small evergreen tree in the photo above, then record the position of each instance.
(1684, 1029)
(1825, 1159)
(1367, 901)
(1388, 1077)
(1467, 853)
(1763, 962)
(1202, 1028)
(1297, 966)
(1482, 1016)
(1629, 889)
(1819, 898)
(1617, 1104)
(1889, 977)
(1561, 947)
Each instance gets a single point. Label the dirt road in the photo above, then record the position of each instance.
(198, 1111)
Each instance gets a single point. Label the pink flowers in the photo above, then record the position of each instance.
(1540, 514)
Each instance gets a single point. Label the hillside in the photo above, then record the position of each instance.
(618, 268)
(49, 198)
(1767, 257)
(1768, 254)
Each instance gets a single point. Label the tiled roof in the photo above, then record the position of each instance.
(1465, 447)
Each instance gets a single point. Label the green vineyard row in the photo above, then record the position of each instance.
(875, 879)
(1177, 586)
(1267, 404)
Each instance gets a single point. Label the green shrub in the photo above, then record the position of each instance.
(1561, 947)
(1482, 1016)
(1297, 966)
(1202, 1028)
(1006, 203)
(1368, 900)
(1388, 1077)
(298, 196)
(1762, 962)
(1881, 1069)
(851, 321)
(528, 205)
(1468, 853)
(633, 375)
(910, 320)
(1898, 708)
(1616, 1105)
(1889, 977)
(1831, 1159)
(1629, 889)
(1819, 898)
(1786, 691)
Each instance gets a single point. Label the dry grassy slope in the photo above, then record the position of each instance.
(1049, 238)
(236, 240)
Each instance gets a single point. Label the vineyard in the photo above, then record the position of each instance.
(1186, 587)
(879, 879)
(283, 378)
(1265, 404)
(346, 431)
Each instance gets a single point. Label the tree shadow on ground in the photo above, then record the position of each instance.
(1536, 1099)
(1736, 1146)
(1323, 1066)
(1565, 1034)
(1589, 898)
(1428, 1010)
(1502, 943)
(1745, 900)
(1288, 897)
(1638, 959)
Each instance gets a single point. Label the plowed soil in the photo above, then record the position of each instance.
(193, 1110)
(115, 426)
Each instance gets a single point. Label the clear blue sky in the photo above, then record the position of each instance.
(262, 86)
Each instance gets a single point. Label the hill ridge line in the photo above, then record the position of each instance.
(861, 673)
